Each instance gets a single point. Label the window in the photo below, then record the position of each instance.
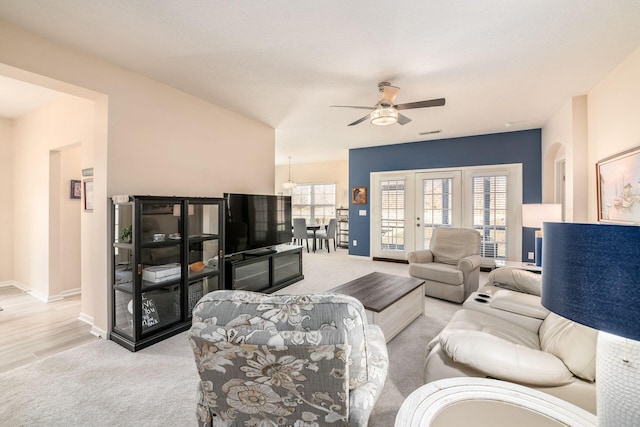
(437, 211)
(392, 194)
(314, 202)
(490, 214)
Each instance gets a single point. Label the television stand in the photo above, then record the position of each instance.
(267, 273)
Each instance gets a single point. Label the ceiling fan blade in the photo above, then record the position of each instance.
(389, 94)
(403, 120)
(359, 121)
(439, 102)
(352, 106)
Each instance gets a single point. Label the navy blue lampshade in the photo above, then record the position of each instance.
(591, 275)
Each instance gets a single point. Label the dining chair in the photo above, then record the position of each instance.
(300, 231)
(327, 235)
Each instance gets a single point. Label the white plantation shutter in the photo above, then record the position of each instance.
(490, 201)
(392, 197)
(438, 206)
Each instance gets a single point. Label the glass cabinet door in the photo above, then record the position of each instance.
(204, 251)
(124, 267)
(160, 255)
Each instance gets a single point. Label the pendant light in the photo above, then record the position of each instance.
(289, 184)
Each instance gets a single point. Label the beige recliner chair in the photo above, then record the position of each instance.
(507, 334)
(451, 265)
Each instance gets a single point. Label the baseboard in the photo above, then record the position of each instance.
(10, 283)
(98, 332)
(15, 284)
(398, 261)
(52, 298)
(86, 319)
(70, 292)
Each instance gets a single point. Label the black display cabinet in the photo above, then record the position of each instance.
(167, 252)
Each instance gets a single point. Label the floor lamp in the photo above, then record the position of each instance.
(534, 215)
(590, 276)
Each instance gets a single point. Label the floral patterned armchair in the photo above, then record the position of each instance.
(286, 360)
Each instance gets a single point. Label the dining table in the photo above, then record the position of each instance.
(314, 228)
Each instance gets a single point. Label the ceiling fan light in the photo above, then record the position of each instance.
(383, 116)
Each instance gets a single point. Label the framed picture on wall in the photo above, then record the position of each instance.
(76, 189)
(88, 194)
(359, 195)
(618, 186)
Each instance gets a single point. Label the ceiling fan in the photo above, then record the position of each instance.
(385, 112)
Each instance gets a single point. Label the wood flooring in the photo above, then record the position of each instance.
(31, 329)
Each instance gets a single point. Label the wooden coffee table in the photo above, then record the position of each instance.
(391, 302)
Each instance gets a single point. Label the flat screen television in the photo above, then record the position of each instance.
(254, 221)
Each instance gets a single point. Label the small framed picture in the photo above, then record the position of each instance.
(76, 189)
(88, 194)
(359, 195)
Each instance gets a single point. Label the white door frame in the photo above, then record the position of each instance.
(411, 178)
(418, 214)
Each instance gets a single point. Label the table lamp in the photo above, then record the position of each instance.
(591, 276)
(534, 215)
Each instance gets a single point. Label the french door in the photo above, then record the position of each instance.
(439, 204)
(407, 206)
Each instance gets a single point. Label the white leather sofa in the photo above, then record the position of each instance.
(509, 342)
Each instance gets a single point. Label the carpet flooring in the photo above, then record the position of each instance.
(102, 384)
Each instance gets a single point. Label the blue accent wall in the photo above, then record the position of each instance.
(500, 148)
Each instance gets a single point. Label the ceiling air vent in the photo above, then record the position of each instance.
(431, 132)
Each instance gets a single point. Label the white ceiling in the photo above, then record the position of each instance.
(283, 62)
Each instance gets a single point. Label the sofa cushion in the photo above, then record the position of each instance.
(444, 273)
(499, 358)
(517, 302)
(471, 320)
(449, 245)
(516, 279)
(573, 343)
(500, 349)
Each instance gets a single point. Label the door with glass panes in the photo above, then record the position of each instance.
(407, 207)
(439, 204)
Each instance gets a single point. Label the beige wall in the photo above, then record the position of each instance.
(565, 136)
(64, 223)
(40, 204)
(614, 118)
(590, 128)
(6, 197)
(147, 138)
(336, 172)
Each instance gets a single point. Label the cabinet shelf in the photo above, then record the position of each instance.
(147, 311)
(342, 230)
(202, 238)
(150, 286)
(207, 272)
(122, 245)
(125, 287)
(163, 244)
